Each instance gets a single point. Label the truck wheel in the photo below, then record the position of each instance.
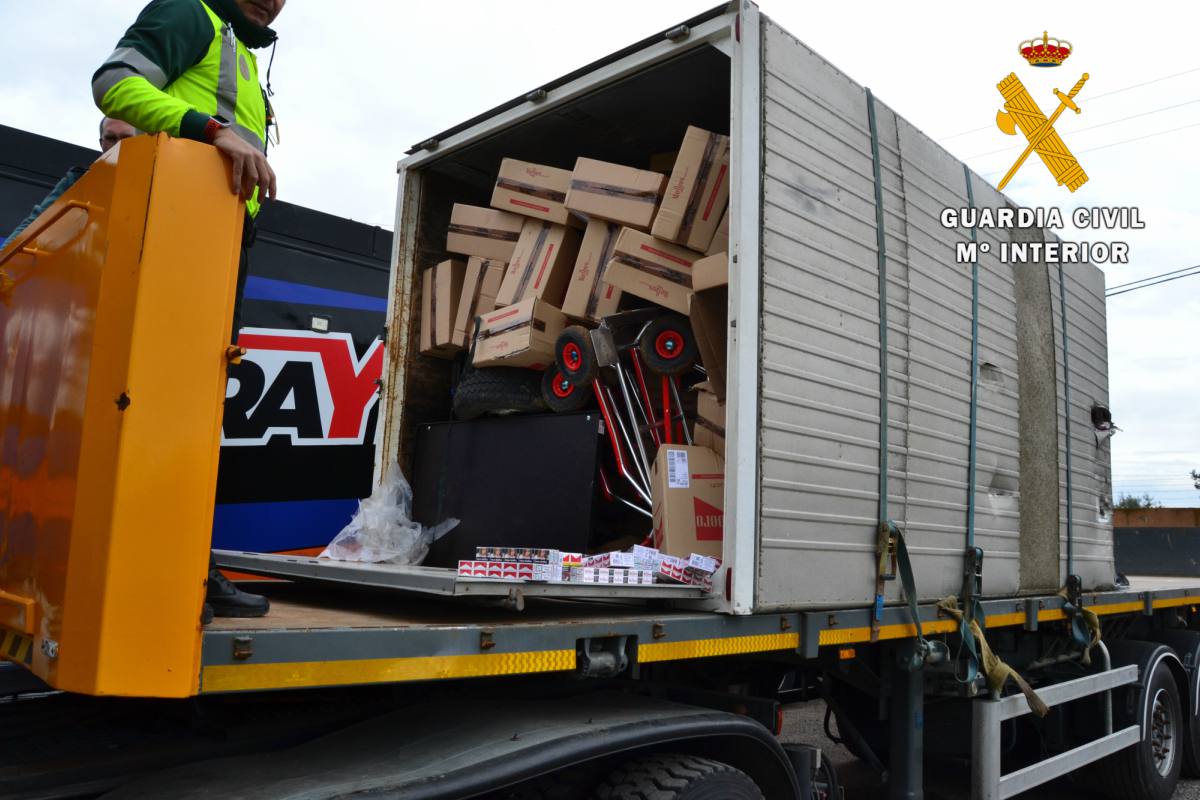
(574, 355)
(560, 395)
(666, 776)
(498, 390)
(1149, 769)
(667, 345)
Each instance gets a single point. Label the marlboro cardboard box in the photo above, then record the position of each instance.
(720, 242)
(710, 272)
(697, 191)
(588, 296)
(481, 283)
(441, 289)
(708, 310)
(483, 232)
(541, 264)
(688, 493)
(652, 269)
(533, 190)
(709, 430)
(616, 193)
(520, 335)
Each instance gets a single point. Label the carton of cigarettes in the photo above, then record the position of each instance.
(534, 554)
(670, 568)
(510, 570)
(571, 560)
(695, 577)
(644, 557)
(616, 576)
(614, 559)
(703, 563)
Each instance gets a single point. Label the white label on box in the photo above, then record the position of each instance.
(678, 476)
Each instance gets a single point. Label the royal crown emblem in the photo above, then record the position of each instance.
(1045, 52)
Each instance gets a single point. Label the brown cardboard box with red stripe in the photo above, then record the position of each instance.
(708, 310)
(520, 335)
(720, 242)
(483, 232)
(533, 190)
(481, 283)
(652, 269)
(541, 264)
(441, 290)
(697, 192)
(589, 297)
(600, 190)
(688, 493)
(709, 430)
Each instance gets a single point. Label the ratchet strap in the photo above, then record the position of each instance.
(1085, 624)
(994, 669)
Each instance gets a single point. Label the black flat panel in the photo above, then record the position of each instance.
(518, 481)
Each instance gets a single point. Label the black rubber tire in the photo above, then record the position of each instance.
(666, 776)
(574, 355)
(561, 396)
(1131, 774)
(668, 346)
(498, 390)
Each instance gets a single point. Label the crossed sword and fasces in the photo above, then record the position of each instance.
(1020, 111)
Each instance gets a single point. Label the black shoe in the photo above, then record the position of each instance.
(228, 600)
(206, 614)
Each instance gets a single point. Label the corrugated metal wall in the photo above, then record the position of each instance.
(820, 354)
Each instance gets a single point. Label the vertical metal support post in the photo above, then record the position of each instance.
(907, 734)
(985, 750)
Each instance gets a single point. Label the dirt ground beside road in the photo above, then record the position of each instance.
(804, 722)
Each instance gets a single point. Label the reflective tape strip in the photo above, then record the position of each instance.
(147, 68)
(248, 135)
(106, 80)
(707, 648)
(227, 77)
(253, 677)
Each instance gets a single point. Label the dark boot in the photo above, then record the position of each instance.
(227, 600)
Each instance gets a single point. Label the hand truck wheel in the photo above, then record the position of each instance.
(562, 396)
(667, 345)
(574, 355)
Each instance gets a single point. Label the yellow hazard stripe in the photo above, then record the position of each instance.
(707, 648)
(833, 636)
(15, 647)
(291, 675)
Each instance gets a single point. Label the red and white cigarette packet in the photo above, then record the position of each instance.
(571, 559)
(702, 563)
(614, 560)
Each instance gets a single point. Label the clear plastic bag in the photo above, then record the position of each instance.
(382, 530)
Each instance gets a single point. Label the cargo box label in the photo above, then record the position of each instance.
(677, 469)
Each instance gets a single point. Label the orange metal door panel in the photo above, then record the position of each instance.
(113, 374)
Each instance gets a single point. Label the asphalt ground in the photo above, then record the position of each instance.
(804, 722)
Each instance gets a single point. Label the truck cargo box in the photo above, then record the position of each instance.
(833, 224)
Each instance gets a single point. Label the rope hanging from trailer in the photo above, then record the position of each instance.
(973, 559)
(892, 554)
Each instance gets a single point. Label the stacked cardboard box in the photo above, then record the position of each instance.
(521, 335)
(441, 292)
(481, 284)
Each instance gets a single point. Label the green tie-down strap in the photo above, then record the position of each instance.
(1085, 626)
(994, 669)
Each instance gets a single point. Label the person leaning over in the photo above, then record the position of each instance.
(185, 68)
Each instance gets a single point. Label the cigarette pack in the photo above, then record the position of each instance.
(703, 563)
(615, 576)
(615, 559)
(510, 570)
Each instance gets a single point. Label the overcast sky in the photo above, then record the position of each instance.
(358, 82)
